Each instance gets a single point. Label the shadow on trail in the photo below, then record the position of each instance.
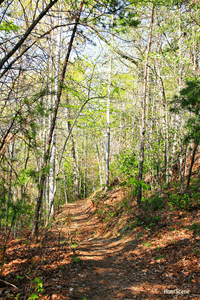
(101, 268)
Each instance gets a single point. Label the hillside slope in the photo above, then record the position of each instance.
(101, 248)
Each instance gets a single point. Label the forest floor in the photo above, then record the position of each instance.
(96, 251)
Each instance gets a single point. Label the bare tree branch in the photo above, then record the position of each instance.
(119, 52)
(26, 34)
(27, 48)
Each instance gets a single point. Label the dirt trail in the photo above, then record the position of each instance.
(102, 272)
(113, 268)
(93, 260)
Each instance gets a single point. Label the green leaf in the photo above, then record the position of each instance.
(33, 297)
(8, 26)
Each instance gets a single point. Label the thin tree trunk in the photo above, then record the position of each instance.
(74, 159)
(75, 169)
(9, 199)
(69, 134)
(52, 181)
(143, 124)
(108, 114)
(191, 165)
(85, 169)
(173, 148)
(166, 135)
(65, 189)
(53, 123)
(99, 164)
(185, 165)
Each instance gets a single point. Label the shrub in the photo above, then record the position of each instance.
(156, 202)
(128, 164)
(196, 228)
(180, 201)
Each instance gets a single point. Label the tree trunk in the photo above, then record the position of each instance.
(85, 169)
(108, 114)
(53, 123)
(166, 135)
(100, 167)
(52, 181)
(75, 170)
(143, 124)
(191, 165)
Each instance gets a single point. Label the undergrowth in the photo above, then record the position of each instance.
(149, 215)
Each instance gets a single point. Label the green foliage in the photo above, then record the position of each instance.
(73, 245)
(26, 174)
(196, 197)
(128, 164)
(159, 257)
(152, 221)
(156, 202)
(125, 205)
(75, 259)
(180, 201)
(33, 297)
(147, 220)
(37, 288)
(148, 244)
(14, 209)
(126, 20)
(135, 183)
(189, 100)
(138, 222)
(38, 284)
(8, 26)
(195, 228)
(3, 197)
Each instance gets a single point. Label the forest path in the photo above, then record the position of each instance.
(82, 257)
(103, 267)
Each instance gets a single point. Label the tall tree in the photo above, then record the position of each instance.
(144, 103)
(47, 152)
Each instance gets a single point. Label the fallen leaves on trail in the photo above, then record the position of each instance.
(99, 252)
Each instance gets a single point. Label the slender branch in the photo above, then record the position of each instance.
(8, 67)
(6, 282)
(119, 52)
(26, 34)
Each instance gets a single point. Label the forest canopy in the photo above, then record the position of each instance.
(92, 91)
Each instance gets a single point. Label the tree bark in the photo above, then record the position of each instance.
(143, 125)
(191, 165)
(108, 114)
(52, 181)
(75, 166)
(53, 123)
(99, 164)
